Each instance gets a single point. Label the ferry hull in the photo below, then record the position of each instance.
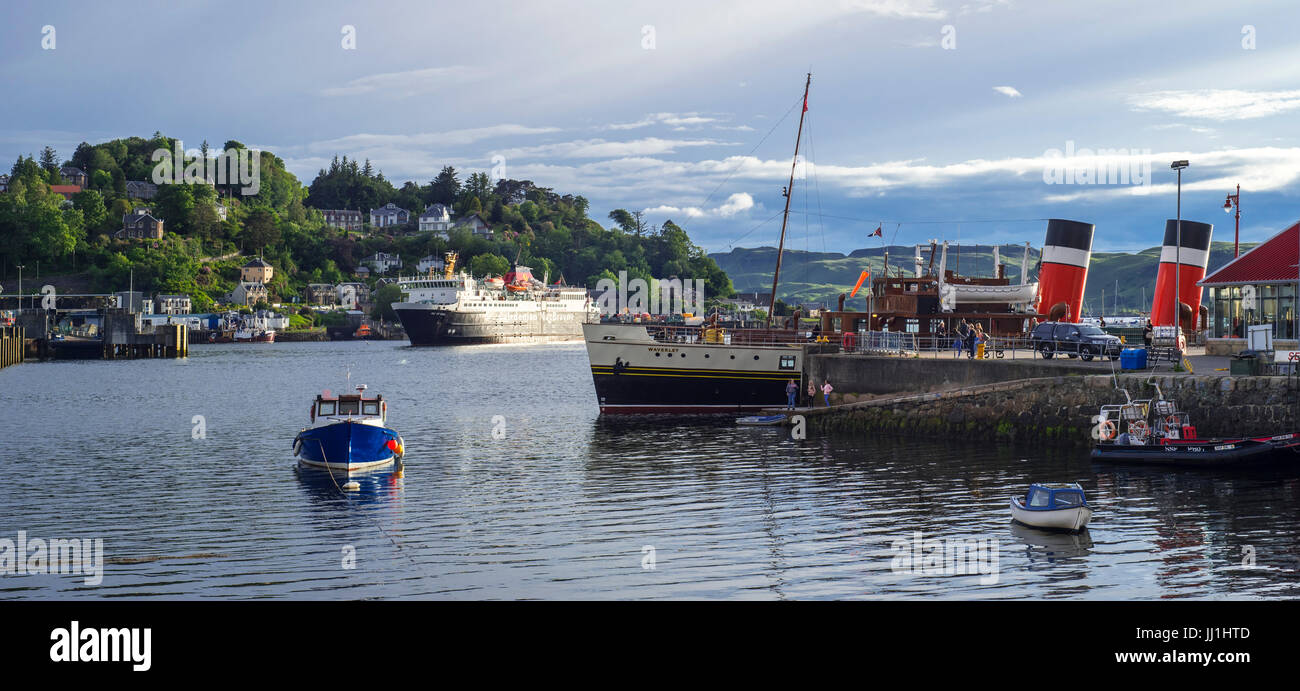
(345, 446)
(431, 327)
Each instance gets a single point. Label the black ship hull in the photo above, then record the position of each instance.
(651, 391)
(1205, 453)
(434, 327)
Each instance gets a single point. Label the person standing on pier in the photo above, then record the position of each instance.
(826, 393)
(1146, 334)
(791, 390)
(812, 393)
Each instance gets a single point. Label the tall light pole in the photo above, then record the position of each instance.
(1234, 201)
(1178, 248)
(20, 286)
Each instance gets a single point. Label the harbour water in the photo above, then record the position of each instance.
(514, 488)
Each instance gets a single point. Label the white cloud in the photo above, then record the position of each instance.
(670, 119)
(1219, 104)
(408, 83)
(736, 203)
(1010, 91)
(600, 148)
(898, 9)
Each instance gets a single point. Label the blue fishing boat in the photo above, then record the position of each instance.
(1052, 506)
(349, 432)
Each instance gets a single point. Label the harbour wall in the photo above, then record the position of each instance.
(851, 374)
(1059, 409)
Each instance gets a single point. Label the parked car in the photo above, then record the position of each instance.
(1084, 341)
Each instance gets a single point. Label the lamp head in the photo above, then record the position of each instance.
(1178, 165)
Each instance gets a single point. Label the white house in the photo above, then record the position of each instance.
(382, 262)
(389, 214)
(350, 294)
(430, 262)
(436, 218)
(475, 225)
(173, 304)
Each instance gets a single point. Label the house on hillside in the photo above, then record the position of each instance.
(476, 226)
(389, 214)
(430, 262)
(383, 262)
(256, 270)
(248, 293)
(343, 219)
(352, 294)
(436, 218)
(66, 190)
(140, 190)
(140, 224)
(321, 294)
(172, 304)
(4, 183)
(74, 176)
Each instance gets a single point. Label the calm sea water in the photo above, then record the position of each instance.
(561, 504)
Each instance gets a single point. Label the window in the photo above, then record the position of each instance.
(1039, 498)
(327, 407)
(370, 407)
(1067, 499)
(349, 407)
(787, 362)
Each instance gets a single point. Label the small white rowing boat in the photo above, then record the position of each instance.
(1060, 506)
(761, 420)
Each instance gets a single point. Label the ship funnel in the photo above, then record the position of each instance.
(1067, 251)
(1184, 265)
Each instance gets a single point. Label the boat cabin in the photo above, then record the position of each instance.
(350, 406)
(1049, 497)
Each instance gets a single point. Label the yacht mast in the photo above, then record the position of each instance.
(776, 276)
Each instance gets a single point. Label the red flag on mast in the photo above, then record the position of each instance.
(805, 102)
(877, 234)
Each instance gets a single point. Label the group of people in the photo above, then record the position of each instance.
(969, 336)
(792, 392)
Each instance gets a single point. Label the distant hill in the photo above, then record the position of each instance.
(822, 276)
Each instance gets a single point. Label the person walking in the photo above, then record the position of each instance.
(959, 342)
(826, 393)
(1146, 334)
(791, 390)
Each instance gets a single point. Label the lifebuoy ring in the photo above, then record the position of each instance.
(1107, 430)
(1138, 429)
(1173, 420)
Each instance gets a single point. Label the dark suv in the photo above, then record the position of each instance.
(1083, 340)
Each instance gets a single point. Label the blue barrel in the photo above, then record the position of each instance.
(1133, 358)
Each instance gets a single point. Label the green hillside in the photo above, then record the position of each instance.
(809, 277)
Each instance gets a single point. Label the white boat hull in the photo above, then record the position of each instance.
(1074, 518)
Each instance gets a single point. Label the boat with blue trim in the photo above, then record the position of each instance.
(350, 432)
(1052, 506)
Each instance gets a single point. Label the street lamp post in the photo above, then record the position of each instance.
(20, 286)
(1234, 201)
(1178, 247)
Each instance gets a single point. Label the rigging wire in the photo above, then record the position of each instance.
(735, 170)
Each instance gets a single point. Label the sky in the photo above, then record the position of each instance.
(970, 121)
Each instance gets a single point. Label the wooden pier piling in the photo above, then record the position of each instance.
(13, 346)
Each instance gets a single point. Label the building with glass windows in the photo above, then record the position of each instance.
(1259, 287)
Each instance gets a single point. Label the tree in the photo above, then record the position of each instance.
(445, 188)
(50, 162)
(260, 229)
(383, 300)
(489, 265)
(91, 205)
(174, 205)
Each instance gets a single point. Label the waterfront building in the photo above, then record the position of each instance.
(1258, 287)
(344, 219)
(321, 294)
(436, 218)
(256, 271)
(389, 214)
(138, 189)
(140, 224)
(173, 304)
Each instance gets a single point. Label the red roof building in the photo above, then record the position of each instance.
(66, 190)
(1258, 287)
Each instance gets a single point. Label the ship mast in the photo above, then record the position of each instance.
(776, 276)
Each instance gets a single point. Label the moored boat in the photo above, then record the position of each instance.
(350, 433)
(1155, 431)
(1052, 506)
(760, 420)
